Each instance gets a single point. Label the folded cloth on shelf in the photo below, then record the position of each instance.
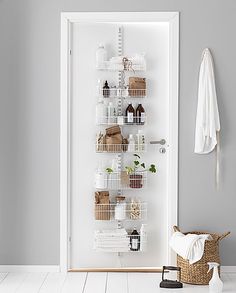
(112, 244)
(116, 249)
(111, 240)
(190, 246)
(114, 232)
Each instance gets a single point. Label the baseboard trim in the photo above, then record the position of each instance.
(228, 269)
(115, 270)
(28, 268)
(55, 269)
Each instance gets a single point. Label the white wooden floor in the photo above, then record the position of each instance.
(97, 283)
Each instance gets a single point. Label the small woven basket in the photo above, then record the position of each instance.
(197, 273)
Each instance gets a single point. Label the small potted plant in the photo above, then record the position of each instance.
(135, 172)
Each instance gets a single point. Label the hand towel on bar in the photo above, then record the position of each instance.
(190, 246)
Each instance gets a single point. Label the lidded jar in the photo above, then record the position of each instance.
(120, 208)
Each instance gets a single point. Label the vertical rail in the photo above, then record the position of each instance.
(121, 82)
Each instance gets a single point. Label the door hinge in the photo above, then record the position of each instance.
(69, 239)
(70, 52)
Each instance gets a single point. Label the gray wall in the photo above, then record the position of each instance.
(29, 121)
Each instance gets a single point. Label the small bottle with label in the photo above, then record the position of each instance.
(143, 237)
(101, 56)
(130, 114)
(111, 110)
(100, 112)
(100, 178)
(134, 240)
(114, 177)
(132, 144)
(99, 88)
(119, 90)
(140, 141)
(106, 90)
(140, 115)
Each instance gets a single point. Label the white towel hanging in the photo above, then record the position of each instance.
(207, 120)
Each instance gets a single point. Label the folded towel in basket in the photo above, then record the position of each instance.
(190, 246)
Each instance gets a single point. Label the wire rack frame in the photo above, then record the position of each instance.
(109, 242)
(121, 93)
(120, 180)
(121, 120)
(131, 211)
(121, 148)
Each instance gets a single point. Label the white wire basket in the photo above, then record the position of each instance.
(121, 93)
(132, 211)
(121, 120)
(120, 180)
(120, 148)
(112, 66)
(105, 241)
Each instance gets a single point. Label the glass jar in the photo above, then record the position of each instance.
(120, 208)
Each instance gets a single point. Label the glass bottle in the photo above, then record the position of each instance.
(130, 113)
(132, 144)
(106, 90)
(134, 240)
(140, 115)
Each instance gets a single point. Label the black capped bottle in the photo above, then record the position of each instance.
(135, 240)
(106, 90)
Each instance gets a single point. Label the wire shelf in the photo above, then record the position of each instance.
(120, 180)
(121, 93)
(131, 211)
(112, 66)
(121, 120)
(120, 148)
(113, 241)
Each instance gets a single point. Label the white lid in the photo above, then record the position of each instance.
(140, 131)
(101, 45)
(110, 104)
(131, 136)
(100, 100)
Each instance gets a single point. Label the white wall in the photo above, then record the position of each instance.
(29, 96)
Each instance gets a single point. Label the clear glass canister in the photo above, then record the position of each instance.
(120, 208)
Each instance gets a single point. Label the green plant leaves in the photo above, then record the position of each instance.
(129, 170)
(143, 165)
(109, 170)
(137, 164)
(152, 168)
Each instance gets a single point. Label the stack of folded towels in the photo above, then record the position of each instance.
(112, 240)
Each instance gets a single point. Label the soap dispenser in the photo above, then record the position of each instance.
(215, 284)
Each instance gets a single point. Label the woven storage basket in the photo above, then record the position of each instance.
(197, 273)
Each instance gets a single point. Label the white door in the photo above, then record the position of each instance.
(152, 196)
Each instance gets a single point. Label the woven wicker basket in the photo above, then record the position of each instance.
(197, 273)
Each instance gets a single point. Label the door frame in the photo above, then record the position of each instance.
(68, 18)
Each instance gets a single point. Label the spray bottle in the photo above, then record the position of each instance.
(215, 284)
